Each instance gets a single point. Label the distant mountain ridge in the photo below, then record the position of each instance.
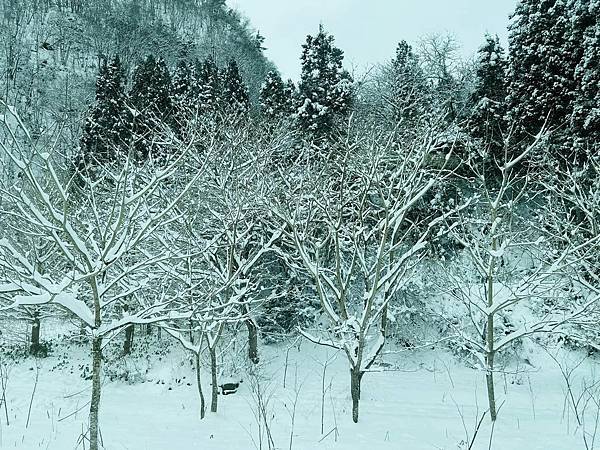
(52, 48)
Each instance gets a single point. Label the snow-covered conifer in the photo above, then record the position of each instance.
(151, 87)
(585, 121)
(182, 94)
(150, 95)
(545, 48)
(235, 92)
(209, 86)
(275, 97)
(408, 87)
(489, 96)
(325, 89)
(107, 128)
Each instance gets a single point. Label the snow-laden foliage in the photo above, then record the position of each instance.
(489, 97)
(210, 90)
(235, 93)
(183, 93)
(585, 120)
(550, 43)
(325, 89)
(104, 236)
(418, 207)
(150, 97)
(276, 97)
(352, 230)
(107, 129)
(408, 91)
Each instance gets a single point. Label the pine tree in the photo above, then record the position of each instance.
(585, 120)
(543, 59)
(291, 93)
(183, 93)
(554, 73)
(276, 97)
(488, 100)
(151, 89)
(151, 96)
(209, 87)
(106, 131)
(235, 92)
(325, 92)
(408, 88)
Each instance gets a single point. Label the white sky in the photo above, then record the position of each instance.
(368, 30)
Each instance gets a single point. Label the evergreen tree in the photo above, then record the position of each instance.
(585, 120)
(235, 93)
(151, 96)
(325, 87)
(408, 88)
(208, 86)
(543, 58)
(447, 91)
(276, 97)
(291, 93)
(183, 93)
(151, 89)
(106, 131)
(488, 100)
(259, 41)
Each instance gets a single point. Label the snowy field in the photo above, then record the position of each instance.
(422, 401)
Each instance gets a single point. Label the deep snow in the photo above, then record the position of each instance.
(416, 404)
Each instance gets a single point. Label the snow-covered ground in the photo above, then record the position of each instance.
(423, 400)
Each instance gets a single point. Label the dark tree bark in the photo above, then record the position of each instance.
(96, 386)
(213, 371)
(355, 379)
(252, 340)
(199, 385)
(128, 344)
(35, 333)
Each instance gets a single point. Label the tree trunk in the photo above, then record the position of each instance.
(95, 403)
(128, 344)
(191, 331)
(489, 359)
(252, 340)
(35, 333)
(199, 384)
(384, 320)
(489, 336)
(489, 377)
(355, 379)
(213, 371)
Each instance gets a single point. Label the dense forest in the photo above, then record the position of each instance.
(164, 190)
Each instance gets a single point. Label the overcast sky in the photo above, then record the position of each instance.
(368, 30)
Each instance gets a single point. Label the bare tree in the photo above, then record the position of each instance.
(225, 233)
(103, 229)
(356, 234)
(511, 276)
(572, 216)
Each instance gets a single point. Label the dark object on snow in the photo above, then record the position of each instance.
(46, 46)
(229, 388)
